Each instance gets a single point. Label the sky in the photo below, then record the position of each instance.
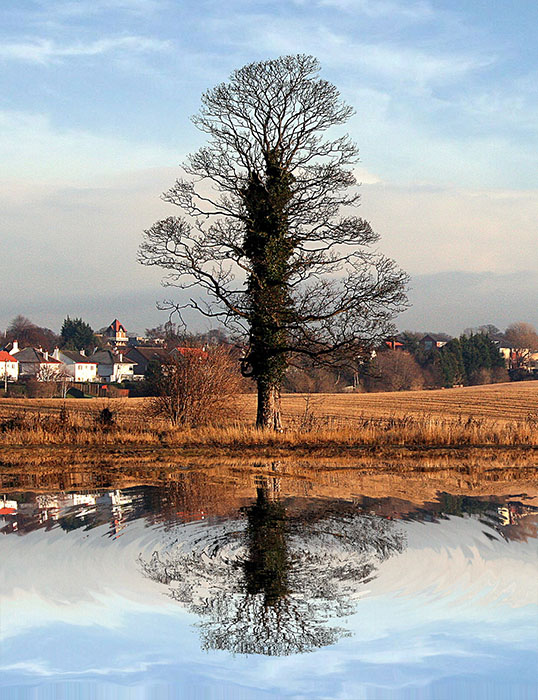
(95, 105)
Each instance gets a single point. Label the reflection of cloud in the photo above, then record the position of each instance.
(437, 635)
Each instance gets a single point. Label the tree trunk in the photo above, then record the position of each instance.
(268, 416)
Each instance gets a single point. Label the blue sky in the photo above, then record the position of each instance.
(95, 102)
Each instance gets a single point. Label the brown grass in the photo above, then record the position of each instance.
(503, 415)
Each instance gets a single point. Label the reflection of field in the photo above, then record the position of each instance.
(220, 487)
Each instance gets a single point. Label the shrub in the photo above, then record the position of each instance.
(195, 386)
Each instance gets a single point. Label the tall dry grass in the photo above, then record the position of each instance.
(110, 426)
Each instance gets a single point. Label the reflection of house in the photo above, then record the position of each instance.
(116, 334)
(77, 365)
(142, 356)
(9, 367)
(7, 507)
(111, 367)
(34, 362)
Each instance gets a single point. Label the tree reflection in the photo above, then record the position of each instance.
(272, 582)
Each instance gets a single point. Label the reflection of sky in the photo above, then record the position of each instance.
(453, 616)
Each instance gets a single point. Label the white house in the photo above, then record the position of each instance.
(77, 365)
(34, 362)
(9, 367)
(111, 367)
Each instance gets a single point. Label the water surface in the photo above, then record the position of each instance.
(261, 585)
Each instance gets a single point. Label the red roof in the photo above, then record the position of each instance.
(116, 326)
(193, 352)
(6, 357)
(7, 511)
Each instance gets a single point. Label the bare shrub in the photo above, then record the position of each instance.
(195, 386)
(395, 370)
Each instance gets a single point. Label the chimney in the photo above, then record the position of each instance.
(83, 352)
(56, 354)
(15, 347)
(46, 353)
(121, 357)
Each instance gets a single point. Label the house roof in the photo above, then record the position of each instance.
(107, 357)
(437, 337)
(501, 342)
(34, 355)
(116, 326)
(6, 357)
(148, 353)
(77, 357)
(191, 352)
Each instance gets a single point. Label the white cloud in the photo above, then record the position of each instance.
(414, 11)
(43, 51)
(77, 8)
(392, 61)
(32, 149)
(431, 230)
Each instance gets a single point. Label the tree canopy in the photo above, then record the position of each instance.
(27, 334)
(76, 334)
(269, 232)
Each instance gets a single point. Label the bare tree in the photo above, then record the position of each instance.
(524, 338)
(271, 236)
(28, 334)
(194, 385)
(396, 370)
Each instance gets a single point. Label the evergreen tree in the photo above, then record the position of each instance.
(76, 334)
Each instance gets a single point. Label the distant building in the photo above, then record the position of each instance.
(433, 340)
(112, 367)
(9, 367)
(143, 355)
(513, 356)
(34, 362)
(77, 365)
(395, 342)
(116, 334)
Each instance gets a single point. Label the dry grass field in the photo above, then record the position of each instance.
(511, 401)
(495, 416)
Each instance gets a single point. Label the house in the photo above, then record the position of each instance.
(112, 367)
(34, 362)
(395, 342)
(433, 340)
(9, 367)
(77, 365)
(143, 355)
(513, 356)
(115, 334)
